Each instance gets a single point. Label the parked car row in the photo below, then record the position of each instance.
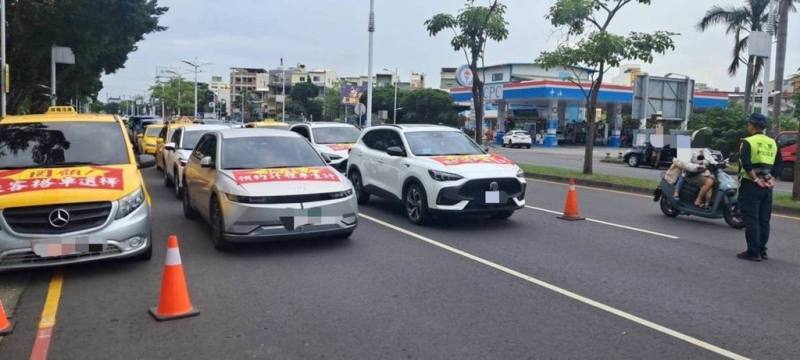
(71, 190)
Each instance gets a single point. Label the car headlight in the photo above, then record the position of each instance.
(183, 162)
(130, 203)
(341, 194)
(520, 173)
(444, 176)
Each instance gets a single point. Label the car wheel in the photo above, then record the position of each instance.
(668, 209)
(502, 215)
(218, 226)
(416, 204)
(358, 185)
(188, 211)
(733, 217)
(788, 172)
(633, 161)
(167, 179)
(528, 146)
(147, 254)
(503, 144)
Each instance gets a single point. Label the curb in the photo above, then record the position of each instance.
(781, 210)
(11, 287)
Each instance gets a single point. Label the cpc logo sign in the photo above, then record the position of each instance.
(464, 75)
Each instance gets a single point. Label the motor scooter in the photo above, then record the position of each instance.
(724, 205)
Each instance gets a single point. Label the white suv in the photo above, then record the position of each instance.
(331, 139)
(434, 169)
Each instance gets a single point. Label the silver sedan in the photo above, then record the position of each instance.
(264, 184)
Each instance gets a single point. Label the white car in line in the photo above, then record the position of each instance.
(434, 169)
(178, 149)
(333, 140)
(517, 138)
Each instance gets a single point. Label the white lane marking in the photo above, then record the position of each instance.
(626, 227)
(788, 217)
(595, 304)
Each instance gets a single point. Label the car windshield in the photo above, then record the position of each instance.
(266, 152)
(190, 139)
(153, 131)
(336, 135)
(438, 143)
(523, 133)
(62, 144)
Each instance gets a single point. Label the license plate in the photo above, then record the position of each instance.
(492, 197)
(67, 246)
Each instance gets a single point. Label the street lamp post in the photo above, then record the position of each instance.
(396, 83)
(371, 30)
(3, 70)
(283, 93)
(196, 66)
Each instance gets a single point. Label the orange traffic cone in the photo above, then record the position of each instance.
(174, 302)
(5, 326)
(571, 209)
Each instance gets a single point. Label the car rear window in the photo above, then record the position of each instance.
(62, 143)
(265, 152)
(336, 135)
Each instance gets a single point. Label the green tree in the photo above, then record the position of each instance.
(796, 101)
(598, 49)
(428, 106)
(728, 127)
(100, 35)
(473, 27)
(171, 91)
(304, 95)
(96, 107)
(332, 104)
(383, 100)
(740, 21)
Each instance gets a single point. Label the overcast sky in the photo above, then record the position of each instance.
(332, 34)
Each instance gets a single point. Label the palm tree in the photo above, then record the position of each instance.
(740, 21)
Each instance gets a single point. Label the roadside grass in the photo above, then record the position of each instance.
(646, 185)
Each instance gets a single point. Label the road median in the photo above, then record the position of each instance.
(783, 203)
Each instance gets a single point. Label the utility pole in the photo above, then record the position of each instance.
(371, 30)
(3, 70)
(283, 93)
(770, 29)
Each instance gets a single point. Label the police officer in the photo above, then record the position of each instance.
(759, 159)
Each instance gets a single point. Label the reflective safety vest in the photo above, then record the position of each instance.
(763, 150)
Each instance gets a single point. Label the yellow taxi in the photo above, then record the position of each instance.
(268, 123)
(166, 132)
(148, 140)
(70, 191)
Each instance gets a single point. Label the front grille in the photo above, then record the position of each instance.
(36, 219)
(294, 199)
(31, 258)
(475, 189)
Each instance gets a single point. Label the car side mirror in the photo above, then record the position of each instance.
(146, 161)
(326, 158)
(395, 151)
(170, 146)
(206, 162)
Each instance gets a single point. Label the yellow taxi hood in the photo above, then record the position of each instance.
(34, 186)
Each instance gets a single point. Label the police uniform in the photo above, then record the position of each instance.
(759, 152)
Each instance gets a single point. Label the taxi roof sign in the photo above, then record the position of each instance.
(61, 110)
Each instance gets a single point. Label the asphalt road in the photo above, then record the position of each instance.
(571, 157)
(464, 288)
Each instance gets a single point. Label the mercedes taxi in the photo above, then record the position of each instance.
(265, 184)
(70, 190)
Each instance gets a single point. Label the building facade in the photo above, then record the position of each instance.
(246, 99)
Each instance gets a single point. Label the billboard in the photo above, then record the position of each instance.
(351, 94)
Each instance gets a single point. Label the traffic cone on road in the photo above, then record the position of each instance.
(5, 326)
(571, 209)
(174, 302)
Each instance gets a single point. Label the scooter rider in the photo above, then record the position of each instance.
(759, 159)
